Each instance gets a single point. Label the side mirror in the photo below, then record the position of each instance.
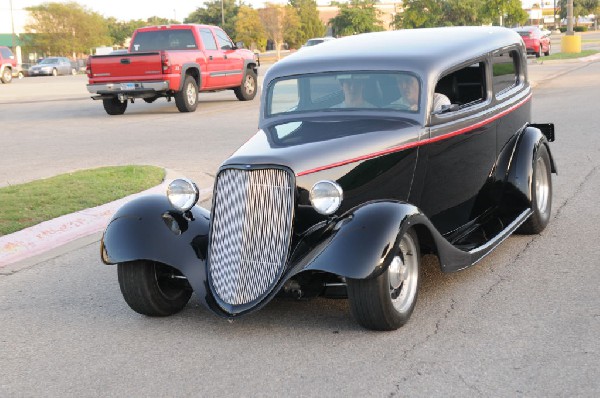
(239, 44)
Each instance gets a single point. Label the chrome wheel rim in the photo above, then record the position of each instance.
(542, 185)
(404, 275)
(249, 85)
(191, 94)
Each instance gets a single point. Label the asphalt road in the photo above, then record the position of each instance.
(523, 322)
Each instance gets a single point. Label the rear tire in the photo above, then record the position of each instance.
(187, 99)
(150, 289)
(387, 301)
(541, 194)
(6, 76)
(247, 91)
(113, 106)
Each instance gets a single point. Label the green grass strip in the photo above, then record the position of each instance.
(584, 53)
(24, 205)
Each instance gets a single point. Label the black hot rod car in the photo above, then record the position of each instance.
(371, 151)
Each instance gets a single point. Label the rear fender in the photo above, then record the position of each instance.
(520, 174)
(148, 228)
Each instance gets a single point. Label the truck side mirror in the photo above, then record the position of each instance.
(239, 44)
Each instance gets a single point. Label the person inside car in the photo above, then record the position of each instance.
(353, 88)
(409, 97)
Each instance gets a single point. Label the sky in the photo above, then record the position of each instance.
(120, 9)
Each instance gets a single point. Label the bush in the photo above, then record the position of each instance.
(563, 29)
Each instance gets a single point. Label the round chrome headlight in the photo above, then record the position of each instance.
(183, 194)
(326, 197)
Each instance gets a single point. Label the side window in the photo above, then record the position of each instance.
(464, 87)
(6, 53)
(224, 41)
(505, 71)
(208, 39)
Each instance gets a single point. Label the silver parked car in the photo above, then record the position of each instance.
(53, 66)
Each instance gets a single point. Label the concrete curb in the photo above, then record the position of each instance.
(48, 235)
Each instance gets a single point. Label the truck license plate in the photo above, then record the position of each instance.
(127, 86)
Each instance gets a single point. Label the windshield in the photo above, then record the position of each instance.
(324, 92)
(49, 61)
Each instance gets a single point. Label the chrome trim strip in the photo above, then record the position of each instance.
(118, 87)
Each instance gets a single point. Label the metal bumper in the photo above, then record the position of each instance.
(129, 88)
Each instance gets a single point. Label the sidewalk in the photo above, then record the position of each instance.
(28, 245)
(41, 238)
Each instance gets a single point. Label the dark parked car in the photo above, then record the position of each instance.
(536, 42)
(53, 66)
(350, 180)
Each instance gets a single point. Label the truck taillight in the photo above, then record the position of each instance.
(166, 65)
(88, 68)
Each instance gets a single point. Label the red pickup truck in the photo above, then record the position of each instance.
(8, 64)
(172, 61)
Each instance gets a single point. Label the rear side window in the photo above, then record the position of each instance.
(6, 53)
(177, 39)
(224, 42)
(208, 39)
(505, 71)
(464, 87)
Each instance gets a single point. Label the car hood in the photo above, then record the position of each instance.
(308, 145)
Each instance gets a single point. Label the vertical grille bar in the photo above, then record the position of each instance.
(251, 231)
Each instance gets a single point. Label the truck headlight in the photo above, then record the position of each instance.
(326, 197)
(183, 194)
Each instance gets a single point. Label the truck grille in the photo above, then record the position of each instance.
(251, 232)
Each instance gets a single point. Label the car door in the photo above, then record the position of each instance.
(216, 75)
(453, 172)
(232, 60)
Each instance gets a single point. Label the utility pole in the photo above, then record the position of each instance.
(12, 22)
(570, 18)
(222, 15)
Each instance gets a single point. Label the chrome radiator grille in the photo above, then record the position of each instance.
(251, 232)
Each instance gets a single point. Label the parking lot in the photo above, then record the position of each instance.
(523, 322)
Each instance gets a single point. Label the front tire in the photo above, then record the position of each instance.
(6, 76)
(387, 301)
(54, 72)
(247, 91)
(187, 99)
(541, 194)
(152, 288)
(547, 53)
(113, 106)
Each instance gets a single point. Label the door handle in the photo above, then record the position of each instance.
(210, 57)
(225, 56)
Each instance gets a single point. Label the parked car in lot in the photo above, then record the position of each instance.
(174, 61)
(53, 66)
(354, 174)
(536, 42)
(317, 40)
(8, 65)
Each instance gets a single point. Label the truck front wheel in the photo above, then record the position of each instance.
(247, 90)
(187, 99)
(6, 75)
(113, 106)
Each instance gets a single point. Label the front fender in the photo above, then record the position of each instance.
(363, 240)
(148, 228)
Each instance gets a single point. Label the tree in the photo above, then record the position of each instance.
(462, 12)
(580, 7)
(249, 28)
(357, 16)
(120, 31)
(66, 28)
(292, 31)
(310, 23)
(505, 12)
(420, 14)
(273, 17)
(211, 14)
